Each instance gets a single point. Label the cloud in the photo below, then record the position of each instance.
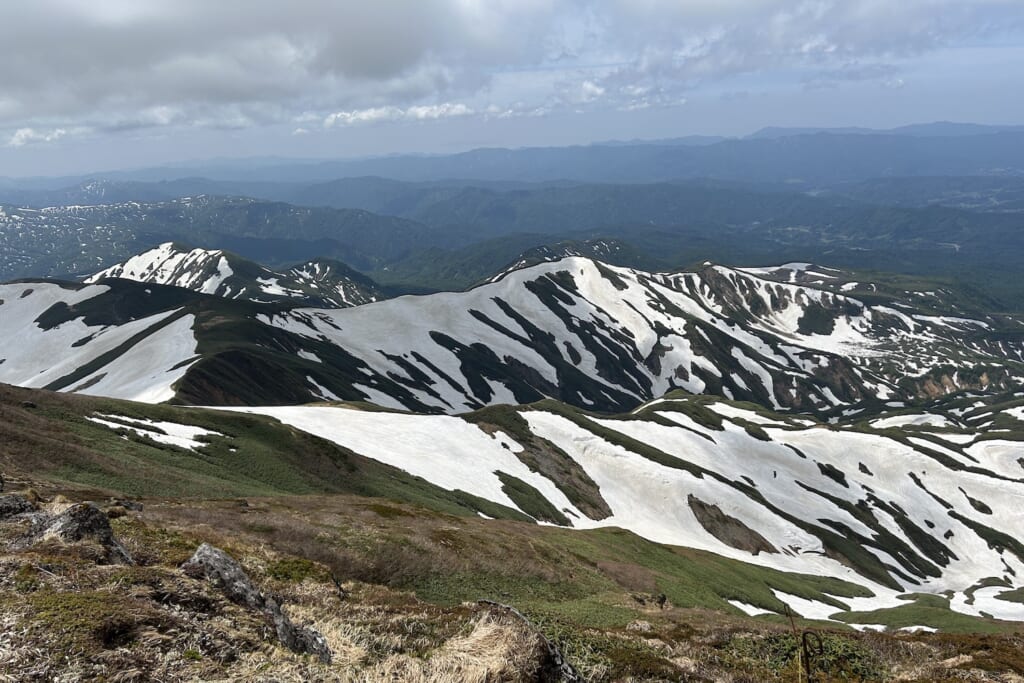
(704, 41)
(31, 136)
(116, 65)
(379, 114)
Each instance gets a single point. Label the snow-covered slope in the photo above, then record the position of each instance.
(139, 360)
(588, 334)
(322, 283)
(604, 250)
(894, 515)
(200, 270)
(610, 338)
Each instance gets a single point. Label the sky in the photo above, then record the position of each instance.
(89, 85)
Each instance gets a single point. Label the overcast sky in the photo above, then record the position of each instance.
(99, 84)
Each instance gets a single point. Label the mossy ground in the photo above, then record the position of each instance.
(409, 578)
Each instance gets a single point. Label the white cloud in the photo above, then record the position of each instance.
(114, 64)
(29, 136)
(414, 113)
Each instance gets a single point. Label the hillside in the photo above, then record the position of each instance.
(589, 334)
(59, 241)
(911, 503)
(820, 521)
(656, 469)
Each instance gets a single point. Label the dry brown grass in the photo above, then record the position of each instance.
(499, 648)
(163, 625)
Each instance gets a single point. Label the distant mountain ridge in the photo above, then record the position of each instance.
(451, 236)
(811, 155)
(589, 334)
(319, 283)
(79, 240)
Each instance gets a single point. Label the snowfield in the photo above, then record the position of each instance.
(182, 436)
(622, 336)
(788, 490)
(577, 330)
(138, 360)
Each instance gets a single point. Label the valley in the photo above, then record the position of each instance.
(490, 429)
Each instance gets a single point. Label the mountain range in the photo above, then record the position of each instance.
(453, 236)
(322, 282)
(669, 421)
(808, 156)
(590, 334)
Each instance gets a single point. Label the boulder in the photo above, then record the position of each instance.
(82, 522)
(220, 569)
(13, 504)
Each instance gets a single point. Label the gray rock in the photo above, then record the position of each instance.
(81, 522)
(220, 569)
(13, 504)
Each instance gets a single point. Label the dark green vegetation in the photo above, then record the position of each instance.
(450, 235)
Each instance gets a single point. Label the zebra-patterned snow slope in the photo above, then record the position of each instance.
(576, 330)
(856, 505)
(319, 283)
(610, 338)
(139, 360)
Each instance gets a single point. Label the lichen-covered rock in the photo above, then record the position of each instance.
(220, 569)
(297, 638)
(13, 504)
(82, 522)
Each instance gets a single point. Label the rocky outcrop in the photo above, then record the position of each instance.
(12, 504)
(219, 568)
(78, 522)
(81, 522)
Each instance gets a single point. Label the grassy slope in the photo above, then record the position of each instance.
(580, 574)
(255, 456)
(405, 570)
(318, 509)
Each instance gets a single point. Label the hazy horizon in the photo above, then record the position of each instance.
(100, 85)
